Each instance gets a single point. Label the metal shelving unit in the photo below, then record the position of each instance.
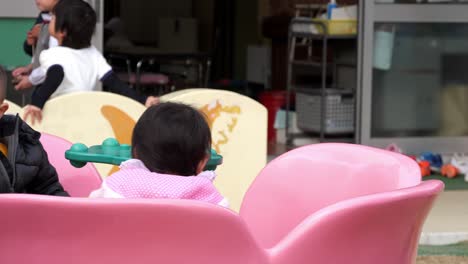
(323, 65)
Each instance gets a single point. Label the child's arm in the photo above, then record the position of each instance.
(22, 71)
(46, 180)
(54, 78)
(36, 77)
(115, 85)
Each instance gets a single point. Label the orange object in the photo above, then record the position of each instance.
(4, 149)
(425, 168)
(449, 171)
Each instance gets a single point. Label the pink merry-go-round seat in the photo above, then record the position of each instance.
(354, 202)
(330, 203)
(145, 78)
(77, 182)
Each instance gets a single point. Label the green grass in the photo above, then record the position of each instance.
(451, 250)
(457, 183)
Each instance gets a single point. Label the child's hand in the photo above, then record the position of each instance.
(26, 70)
(34, 112)
(151, 100)
(23, 83)
(33, 34)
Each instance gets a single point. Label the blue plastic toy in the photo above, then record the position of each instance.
(434, 159)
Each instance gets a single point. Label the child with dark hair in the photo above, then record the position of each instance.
(171, 146)
(76, 65)
(38, 39)
(24, 166)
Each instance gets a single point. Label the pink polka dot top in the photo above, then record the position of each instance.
(134, 180)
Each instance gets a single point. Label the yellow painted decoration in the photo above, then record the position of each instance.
(239, 130)
(90, 118)
(4, 149)
(213, 115)
(122, 125)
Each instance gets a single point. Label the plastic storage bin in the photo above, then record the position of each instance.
(339, 117)
(335, 27)
(338, 27)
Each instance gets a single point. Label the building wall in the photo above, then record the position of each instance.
(16, 18)
(247, 32)
(18, 9)
(203, 11)
(141, 17)
(11, 46)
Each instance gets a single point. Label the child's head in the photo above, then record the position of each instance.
(46, 5)
(73, 23)
(3, 87)
(172, 138)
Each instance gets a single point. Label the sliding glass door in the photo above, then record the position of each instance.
(414, 75)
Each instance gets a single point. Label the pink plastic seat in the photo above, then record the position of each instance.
(77, 182)
(57, 230)
(347, 201)
(379, 228)
(145, 78)
(376, 218)
(156, 82)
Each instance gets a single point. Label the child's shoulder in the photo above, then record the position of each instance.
(55, 53)
(132, 169)
(57, 49)
(93, 52)
(14, 124)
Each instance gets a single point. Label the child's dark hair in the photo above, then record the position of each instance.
(172, 138)
(78, 19)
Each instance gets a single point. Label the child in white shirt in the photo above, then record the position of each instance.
(75, 65)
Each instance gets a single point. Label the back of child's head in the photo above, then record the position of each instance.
(172, 138)
(78, 20)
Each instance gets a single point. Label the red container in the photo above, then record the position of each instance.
(273, 101)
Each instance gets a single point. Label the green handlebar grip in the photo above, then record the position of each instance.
(114, 153)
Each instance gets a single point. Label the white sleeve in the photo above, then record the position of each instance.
(37, 76)
(102, 66)
(105, 192)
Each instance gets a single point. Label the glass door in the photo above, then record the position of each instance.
(414, 75)
(98, 38)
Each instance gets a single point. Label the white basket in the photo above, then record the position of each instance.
(339, 112)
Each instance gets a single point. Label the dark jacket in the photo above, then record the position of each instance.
(27, 161)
